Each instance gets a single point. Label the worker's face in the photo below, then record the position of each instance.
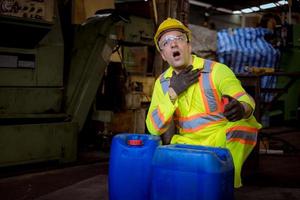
(175, 49)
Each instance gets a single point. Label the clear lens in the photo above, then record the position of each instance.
(167, 41)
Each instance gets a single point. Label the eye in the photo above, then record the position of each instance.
(165, 43)
(180, 38)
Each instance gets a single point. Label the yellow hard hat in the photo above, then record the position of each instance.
(170, 24)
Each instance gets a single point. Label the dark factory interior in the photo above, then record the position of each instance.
(77, 77)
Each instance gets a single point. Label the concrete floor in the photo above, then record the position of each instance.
(277, 178)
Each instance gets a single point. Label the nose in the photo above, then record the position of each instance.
(173, 43)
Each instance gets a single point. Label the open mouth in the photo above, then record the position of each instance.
(176, 54)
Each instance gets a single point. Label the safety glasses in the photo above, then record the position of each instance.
(167, 41)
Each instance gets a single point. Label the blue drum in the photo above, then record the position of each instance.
(130, 166)
(187, 172)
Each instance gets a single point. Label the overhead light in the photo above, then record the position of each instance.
(224, 10)
(237, 12)
(247, 10)
(282, 2)
(206, 5)
(198, 3)
(267, 6)
(255, 9)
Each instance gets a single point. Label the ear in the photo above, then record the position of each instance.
(190, 47)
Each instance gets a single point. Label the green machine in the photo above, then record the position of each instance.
(43, 104)
(290, 63)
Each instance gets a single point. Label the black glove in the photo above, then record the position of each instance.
(234, 110)
(180, 82)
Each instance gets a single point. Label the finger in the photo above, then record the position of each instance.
(197, 72)
(188, 69)
(234, 119)
(232, 104)
(194, 73)
(229, 106)
(194, 76)
(194, 80)
(231, 116)
(229, 113)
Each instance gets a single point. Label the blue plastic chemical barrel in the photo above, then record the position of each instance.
(130, 166)
(186, 172)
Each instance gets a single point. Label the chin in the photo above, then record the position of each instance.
(179, 66)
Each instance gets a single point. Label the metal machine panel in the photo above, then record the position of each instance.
(290, 62)
(92, 52)
(139, 30)
(32, 19)
(50, 60)
(47, 61)
(33, 127)
(30, 100)
(21, 144)
(31, 9)
(296, 35)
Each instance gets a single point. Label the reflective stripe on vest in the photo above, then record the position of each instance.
(211, 101)
(242, 134)
(210, 98)
(157, 119)
(238, 95)
(164, 83)
(198, 122)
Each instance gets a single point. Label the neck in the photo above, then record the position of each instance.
(179, 69)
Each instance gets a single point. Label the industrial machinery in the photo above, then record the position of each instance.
(43, 103)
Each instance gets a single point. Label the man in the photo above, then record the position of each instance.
(191, 91)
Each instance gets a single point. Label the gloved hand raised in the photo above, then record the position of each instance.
(233, 110)
(180, 82)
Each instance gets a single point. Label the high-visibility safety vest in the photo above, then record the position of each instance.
(197, 112)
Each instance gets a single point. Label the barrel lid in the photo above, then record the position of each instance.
(135, 142)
